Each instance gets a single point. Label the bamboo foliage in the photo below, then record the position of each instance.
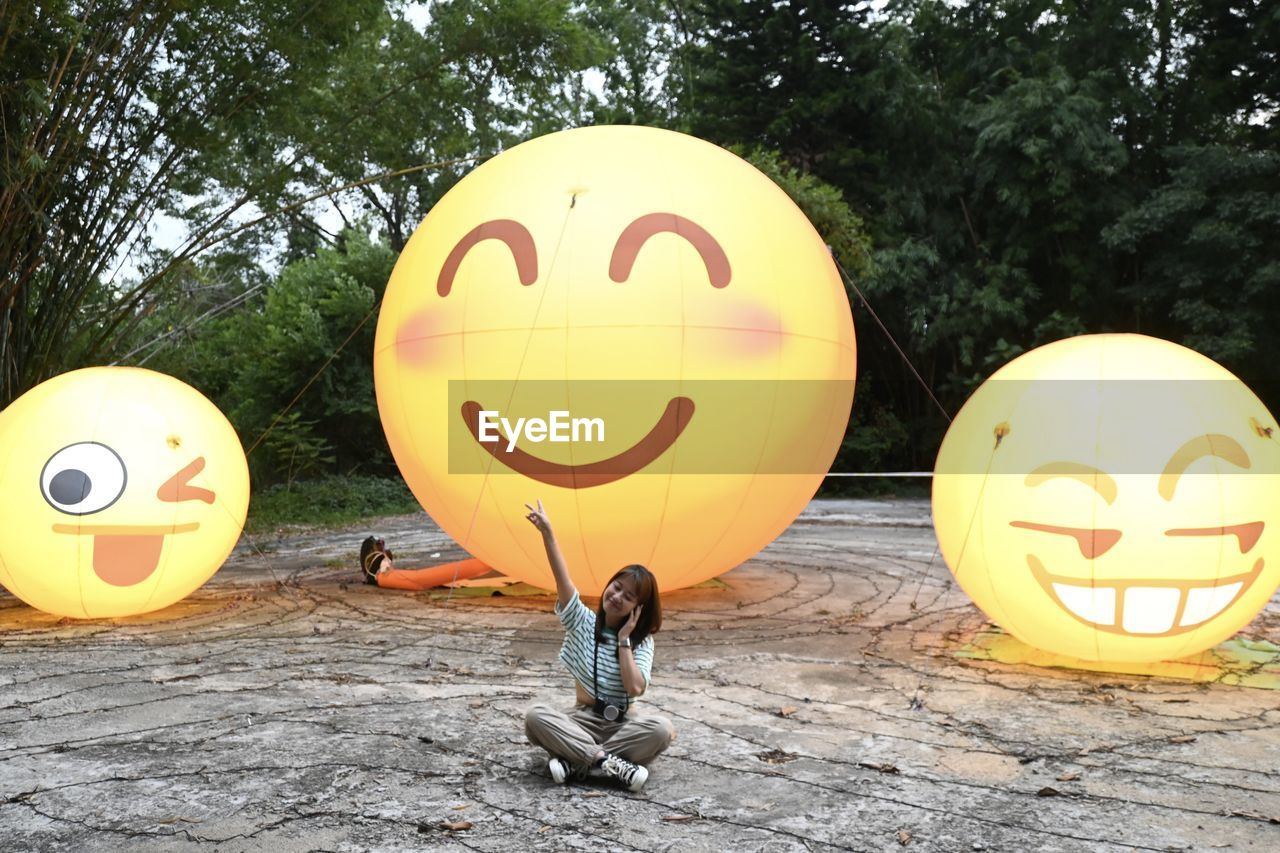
(225, 112)
(111, 112)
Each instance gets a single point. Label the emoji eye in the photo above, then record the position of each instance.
(1247, 534)
(508, 231)
(178, 487)
(1093, 542)
(83, 478)
(638, 232)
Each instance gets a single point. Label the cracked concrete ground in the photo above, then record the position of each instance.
(826, 697)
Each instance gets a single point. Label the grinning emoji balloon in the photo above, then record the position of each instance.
(632, 325)
(1112, 498)
(121, 491)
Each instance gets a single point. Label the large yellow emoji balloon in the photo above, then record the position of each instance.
(121, 491)
(1112, 498)
(632, 325)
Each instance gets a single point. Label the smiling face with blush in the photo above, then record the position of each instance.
(1126, 512)
(631, 275)
(121, 491)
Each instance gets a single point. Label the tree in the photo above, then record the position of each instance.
(233, 110)
(480, 75)
(640, 71)
(787, 76)
(1026, 171)
(113, 110)
(293, 370)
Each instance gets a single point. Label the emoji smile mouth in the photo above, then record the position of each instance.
(675, 418)
(1146, 607)
(124, 555)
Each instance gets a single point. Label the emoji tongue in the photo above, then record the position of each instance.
(126, 560)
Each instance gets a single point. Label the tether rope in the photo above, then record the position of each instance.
(866, 304)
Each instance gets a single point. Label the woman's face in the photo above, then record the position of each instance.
(620, 598)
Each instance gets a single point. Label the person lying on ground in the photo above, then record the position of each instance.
(377, 567)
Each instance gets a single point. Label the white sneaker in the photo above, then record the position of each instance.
(561, 771)
(631, 775)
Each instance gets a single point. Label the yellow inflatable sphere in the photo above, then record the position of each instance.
(1112, 498)
(122, 490)
(636, 327)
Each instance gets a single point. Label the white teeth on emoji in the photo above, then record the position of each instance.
(1150, 610)
(1092, 604)
(1146, 607)
(1204, 603)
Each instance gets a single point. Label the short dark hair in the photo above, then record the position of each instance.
(646, 596)
(372, 554)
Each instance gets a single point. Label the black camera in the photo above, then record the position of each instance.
(609, 711)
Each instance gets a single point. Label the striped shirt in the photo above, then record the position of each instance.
(580, 642)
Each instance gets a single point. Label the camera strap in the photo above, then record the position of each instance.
(595, 676)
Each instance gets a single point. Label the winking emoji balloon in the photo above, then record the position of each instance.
(122, 490)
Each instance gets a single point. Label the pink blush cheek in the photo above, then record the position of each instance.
(745, 330)
(415, 340)
(754, 344)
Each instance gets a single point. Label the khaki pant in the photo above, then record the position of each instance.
(578, 734)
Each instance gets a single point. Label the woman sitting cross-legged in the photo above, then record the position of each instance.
(609, 653)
